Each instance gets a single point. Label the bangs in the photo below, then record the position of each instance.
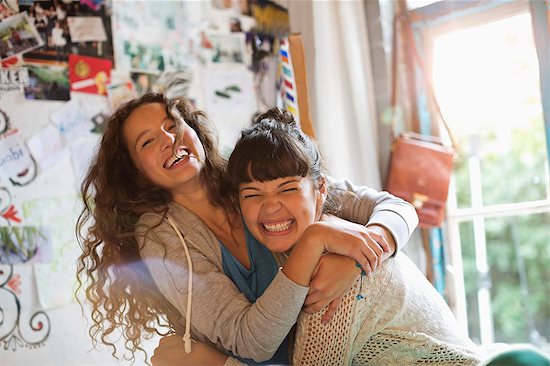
(265, 157)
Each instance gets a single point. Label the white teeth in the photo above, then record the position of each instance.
(281, 226)
(182, 153)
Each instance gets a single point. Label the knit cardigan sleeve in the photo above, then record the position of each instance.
(364, 205)
(220, 314)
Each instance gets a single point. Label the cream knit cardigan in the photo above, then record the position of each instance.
(402, 320)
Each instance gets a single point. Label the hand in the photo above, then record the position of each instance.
(334, 276)
(171, 352)
(364, 244)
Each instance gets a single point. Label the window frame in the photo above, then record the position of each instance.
(429, 23)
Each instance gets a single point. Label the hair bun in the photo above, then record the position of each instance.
(279, 115)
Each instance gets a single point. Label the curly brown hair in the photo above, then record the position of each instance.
(115, 194)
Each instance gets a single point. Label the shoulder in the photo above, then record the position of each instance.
(156, 228)
(184, 219)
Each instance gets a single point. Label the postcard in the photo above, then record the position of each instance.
(225, 48)
(120, 93)
(47, 82)
(142, 57)
(84, 29)
(89, 74)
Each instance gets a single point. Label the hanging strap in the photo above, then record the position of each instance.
(187, 335)
(409, 40)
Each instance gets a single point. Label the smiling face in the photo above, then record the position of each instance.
(150, 135)
(278, 211)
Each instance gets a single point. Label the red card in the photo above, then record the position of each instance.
(89, 74)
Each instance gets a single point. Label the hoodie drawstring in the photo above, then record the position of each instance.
(187, 335)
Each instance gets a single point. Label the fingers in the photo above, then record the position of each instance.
(321, 297)
(315, 307)
(332, 308)
(366, 257)
(373, 254)
(373, 250)
(382, 242)
(318, 298)
(312, 297)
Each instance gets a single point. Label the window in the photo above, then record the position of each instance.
(486, 79)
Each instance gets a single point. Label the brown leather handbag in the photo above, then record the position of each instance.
(420, 172)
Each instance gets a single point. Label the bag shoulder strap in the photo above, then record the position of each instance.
(402, 20)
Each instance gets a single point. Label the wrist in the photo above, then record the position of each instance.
(387, 235)
(313, 239)
(305, 256)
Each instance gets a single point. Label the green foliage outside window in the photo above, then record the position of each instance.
(510, 174)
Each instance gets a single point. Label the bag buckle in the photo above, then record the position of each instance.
(419, 200)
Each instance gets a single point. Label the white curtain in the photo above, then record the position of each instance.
(340, 85)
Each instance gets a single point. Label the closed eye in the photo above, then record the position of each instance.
(290, 190)
(146, 142)
(250, 195)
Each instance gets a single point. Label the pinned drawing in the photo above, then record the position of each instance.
(4, 122)
(8, 212)
(21, 244)
(18, 330)
(16, 163)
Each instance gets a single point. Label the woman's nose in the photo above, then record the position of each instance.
(167, 139)
(272, 205)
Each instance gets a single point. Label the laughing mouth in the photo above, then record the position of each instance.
(278, 227)
(181, 154)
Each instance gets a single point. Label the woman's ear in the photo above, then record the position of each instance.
(321, 195)
(322, 188)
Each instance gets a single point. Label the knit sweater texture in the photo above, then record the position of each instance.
(400, 320)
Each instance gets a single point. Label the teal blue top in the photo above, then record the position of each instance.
(253, 282)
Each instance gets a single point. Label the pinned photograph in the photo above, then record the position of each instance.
(47, 82)
(18, 35)
(68, 27)
(153, 38)
(8, 8)
(120, 93)
(225, 48)
(143, 58)
(143, 82)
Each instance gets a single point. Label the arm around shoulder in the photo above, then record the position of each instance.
(368, 206)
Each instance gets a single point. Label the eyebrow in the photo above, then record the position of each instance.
(292, 180)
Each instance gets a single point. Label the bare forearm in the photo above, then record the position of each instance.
(171, 352)
(304, 258)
